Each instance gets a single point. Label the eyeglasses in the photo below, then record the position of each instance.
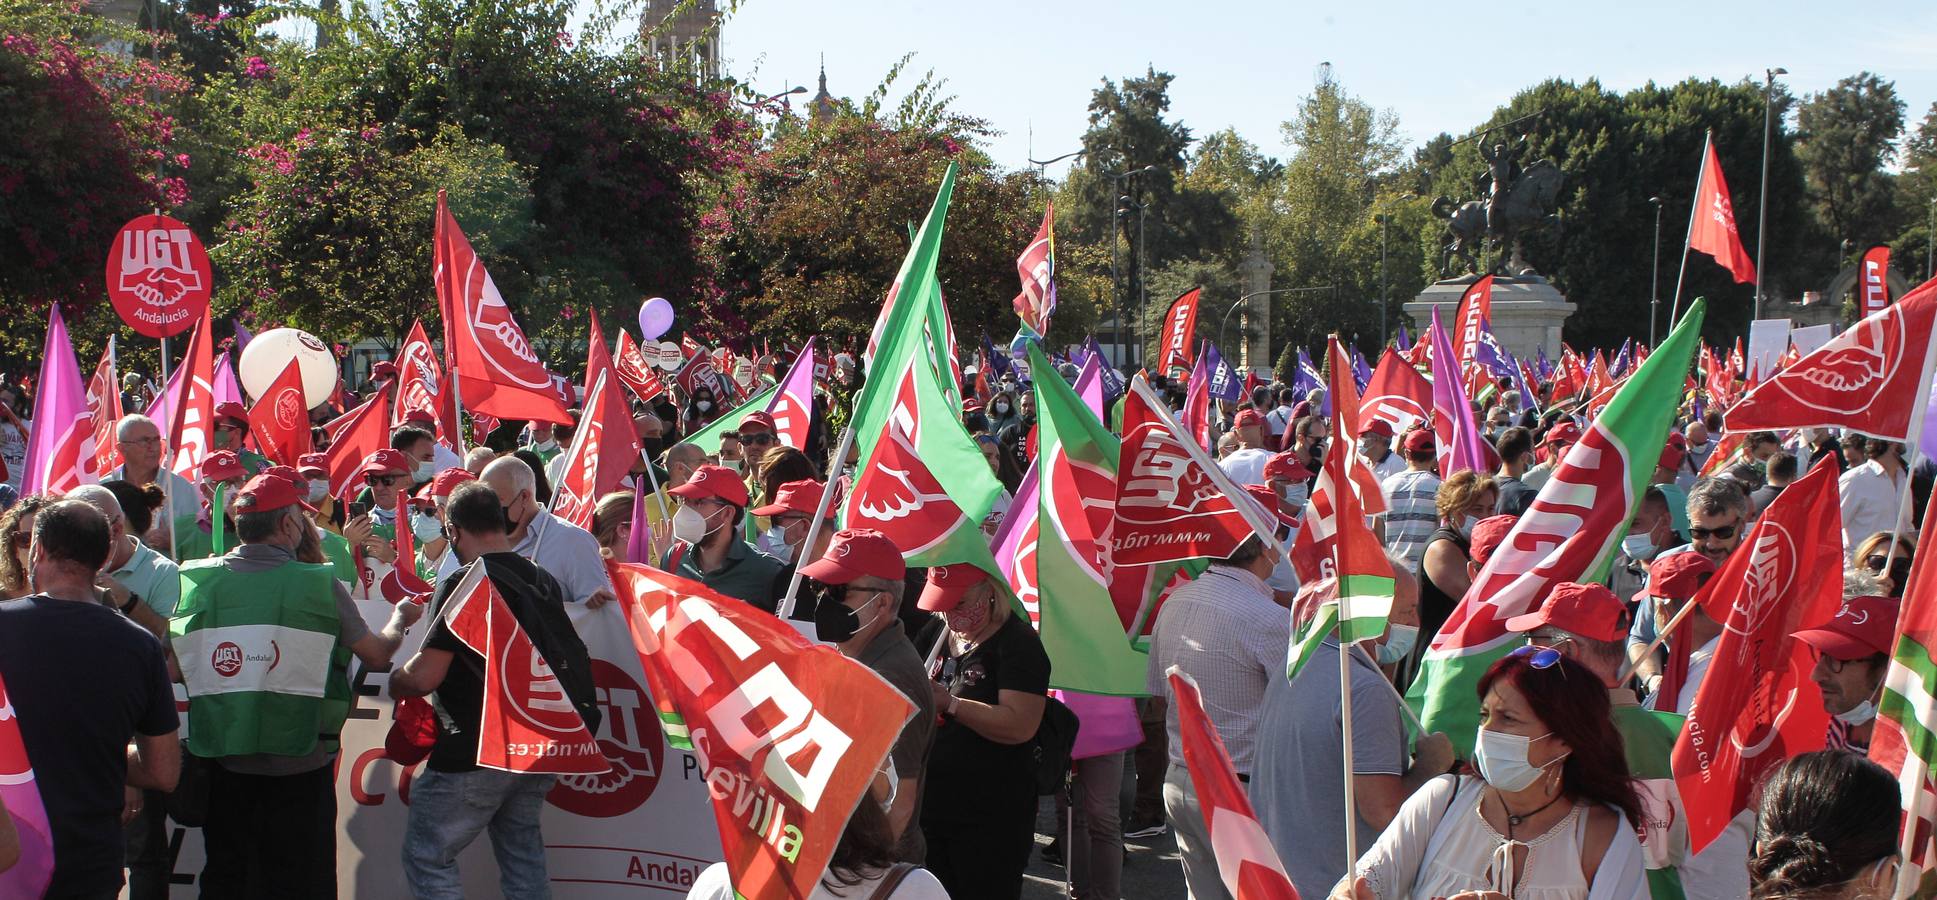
(1834, 665)
(382, 480)
(758, 440)
(1898, 567)
(150, 441)
(23, 540)
(1721, 534)
(1539, 657)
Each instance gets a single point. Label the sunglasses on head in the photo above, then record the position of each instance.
(1721, 534)
(1539, 657)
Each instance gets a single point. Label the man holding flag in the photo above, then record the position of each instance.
(458, 795)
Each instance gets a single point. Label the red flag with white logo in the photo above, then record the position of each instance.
(104, 405)
(630, 365)
(1756, 705)
(495, 368)
(1475, 309)
(603, 449)
(1872, 379)
(898, 496)
(421, 388)
(353, 437)
(598, 358)
(1330, 544)
(792, 407)
(280, 419)
(528, 723)
(1873, 283)
(1247, 863)
(1711, 224)
(1180, 327)
(1171, 504)
(787, 734)
(1397, 395)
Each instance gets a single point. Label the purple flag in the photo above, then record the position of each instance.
(162, 408)
(1007, 542)
(60, 456)
(227, 388)
(1621, 359)
(1089, 384)
(1309, 379)
(1405, 340)
(1490, 354)
(997, 361)
(1459, 438)
(1361, 373)
(639, 547)
(1541, 367)
(1225, 385)
(1112, 379)
(242, 336)
(1527, 398)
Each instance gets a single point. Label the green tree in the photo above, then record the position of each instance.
(1917, 196)
(1846, 135)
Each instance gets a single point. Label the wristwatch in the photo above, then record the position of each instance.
(133, 599)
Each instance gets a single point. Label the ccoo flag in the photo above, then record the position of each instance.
(1711, 224)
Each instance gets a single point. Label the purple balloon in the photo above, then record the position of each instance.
(655, 317)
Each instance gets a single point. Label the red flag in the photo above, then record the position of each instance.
(787, 734)
(898, 496)
(630, 365)
(104, 405)
(353, 437)
(1397, 395)
(1475, 308)
(1569, 376)
(1180, 325)
(1870, 379)
(1171, 504)
(1037, 266)
(597, 357)
(422, 387)
(1246, 862)
(1711, 225)
(1907, 713)
(528, 723)
(1874, 286)
(188, 433)
(494, 365)
(603, 449)
(280, 418)
(792, 407)
(1756, 706)
(1335, 541)
(1736, 367)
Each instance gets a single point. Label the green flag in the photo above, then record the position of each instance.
(708, 438)
(1570, 533)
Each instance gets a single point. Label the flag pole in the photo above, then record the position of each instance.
(1694, 209)
(1345, 715)
(1915, 432)
(786, 605)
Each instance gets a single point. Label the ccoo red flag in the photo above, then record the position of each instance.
(1180, 327)
(1475, 309)
(495, 368)
(1247, 863)
(528, 723)
(1873, 287)
(1756, 705)
(1870, 379)
(280, 419)
(1711, 225)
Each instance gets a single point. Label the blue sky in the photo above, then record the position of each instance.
(1030, 66)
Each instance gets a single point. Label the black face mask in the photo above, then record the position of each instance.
(653, 446)
(833, 621)
(510, 524)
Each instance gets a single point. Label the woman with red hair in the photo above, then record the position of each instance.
(1550, 815)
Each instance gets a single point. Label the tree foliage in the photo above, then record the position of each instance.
(1846, 135)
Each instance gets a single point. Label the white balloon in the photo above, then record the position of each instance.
(269, 353)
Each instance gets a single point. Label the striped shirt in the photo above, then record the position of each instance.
(1412, 512)
(1223, 631)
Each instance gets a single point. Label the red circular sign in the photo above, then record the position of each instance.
(632, 743)
(226, 660)
(158, 276)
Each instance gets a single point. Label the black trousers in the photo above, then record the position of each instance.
(270, 836)
(150, 865)
(985, 859)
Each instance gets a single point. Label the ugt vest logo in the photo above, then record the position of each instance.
(630, 739)
(226, 660)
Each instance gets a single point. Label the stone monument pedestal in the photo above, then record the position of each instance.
(1527, 311)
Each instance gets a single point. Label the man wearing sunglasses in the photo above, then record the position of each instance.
(1852, 651)
(228, 428)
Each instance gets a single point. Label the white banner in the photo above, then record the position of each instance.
(643, 830)
(1806, 340)
(1767, 339)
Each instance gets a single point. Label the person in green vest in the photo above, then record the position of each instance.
(203, 534)
(1588, 624)
(228, 430)
(264, 643)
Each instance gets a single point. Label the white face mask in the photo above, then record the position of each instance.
(736, 465)
(704, 406)
(318, 487)
(689, 526)
(424, 471)
(545, 445)
(1283, 576)
(1297, 494)
(1466, 525)
(1860, 714)
(1399, 640)
(425, 527)
(1502, 760)
(1001, 409)
(1638, 546)
(777, 539)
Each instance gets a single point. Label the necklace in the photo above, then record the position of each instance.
(1515, 821)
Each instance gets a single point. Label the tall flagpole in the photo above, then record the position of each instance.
(1674, 310)
(1345, 716)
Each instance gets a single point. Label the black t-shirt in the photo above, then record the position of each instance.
(1435, 605)
(536, 600)
(971, 778)
(83, 681)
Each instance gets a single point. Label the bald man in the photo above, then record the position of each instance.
(569, 553)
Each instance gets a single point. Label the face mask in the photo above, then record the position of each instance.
(777, 539)
(834, 622)
(544, 446)
(968, 618)
(689, 526)
(1861, 714)
(1398, 643)
(1283, 576)
(317, 488)
(1466, 525)
(1365, 449)
(424, 471)
(1638, 546)
(1502, 760)
(1002, 409)
(652, 446)
(737, 465)
(510, 521)
(425, 528)
(703, 405)
(1296, 495)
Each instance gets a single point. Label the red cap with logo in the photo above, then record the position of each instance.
(1379, 427)
(222, 465)
(1488, 534)
(229, 409)
(384, 369)
(802, 496)
(1419, 440)
(1268, 499)
(385, 462)
(314, 465)
(857, 553)
(268, 492)
(1564, 432)
(1589, 610)
(1286, 465)
(1247, 416)
(757, 419)
(1865, 626)
(718, 482)
(947, 584)
(1676, 576)
(444, 483)
(296, 478)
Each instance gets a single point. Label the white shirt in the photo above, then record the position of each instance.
(1873, 503)
(445, 458)
(1245, 466)
(1223, 631)
(1277, 420)
(715, 883)
(1383, 469)
(1721, 870)
(568, 552)
(183, 498)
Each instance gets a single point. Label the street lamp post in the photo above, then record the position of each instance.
(1385, 289)
(1226, 321)
(762, 103)
(1654, 276)
(1762, 204)
(1118, 178)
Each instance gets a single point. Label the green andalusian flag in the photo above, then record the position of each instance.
(1649, 737)
(708, 438)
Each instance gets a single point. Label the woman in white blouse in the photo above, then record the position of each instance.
(1550, 817)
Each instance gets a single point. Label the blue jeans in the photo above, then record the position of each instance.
(447, 810)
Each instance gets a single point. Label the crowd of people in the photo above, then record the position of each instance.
(116, 592)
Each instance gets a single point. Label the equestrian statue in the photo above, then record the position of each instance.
(1518, 200)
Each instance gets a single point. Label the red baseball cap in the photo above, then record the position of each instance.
(382, 370)
(294, 476)
(718, 482)
(314, 464)
(441, 484)
(1379, 427)
(1863, 627)
(802, 496)
(1676, 576)
(1268, 498)
(757, 419)
(1488, 534)
(1419, 440)
(1247, 416)
(1589, 610)
(1286, 465)
(229, 409)
(222, 465)
(267, 492)
(1563, 432)
(385, 461)
(857, 553)
(947, 584)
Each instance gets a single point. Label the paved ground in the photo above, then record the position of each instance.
(1150, 872)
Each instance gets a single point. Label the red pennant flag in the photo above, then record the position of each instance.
(597, 357)
(422, 388)
(1871, 379)
(104, 405)
(353, 437)
(1736, 365)
(1335, 541)
(788, 734)
(494, 365)
(528, 723)
(1246, 862)
(603, 449)
(402, 581)
(1756, 706)
(280, 419)
(1037, 266)
(1171, 504)
(630, 365)
(1711, 226)
(1475, 308)
(189, 436)
(1180, 325)
(1397, 395)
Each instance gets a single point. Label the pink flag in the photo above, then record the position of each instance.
(35, 868)
(1459, 438)
(1089, 386)
(639, 548)
(60, 456)
(1015, 546)
(227, 388)
(162, 408)
(1197, 405)
(792, 407)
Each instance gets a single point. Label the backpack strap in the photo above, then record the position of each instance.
(891, 882)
